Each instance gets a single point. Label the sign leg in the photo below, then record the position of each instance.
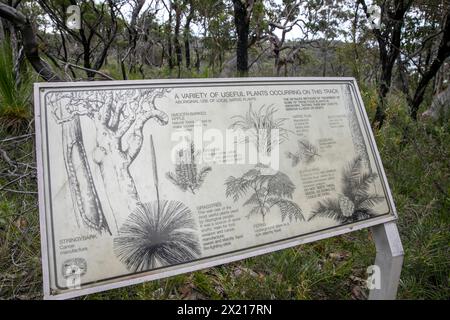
(388, 261)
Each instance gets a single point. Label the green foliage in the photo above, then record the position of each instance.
(14, 97)
(328, 269)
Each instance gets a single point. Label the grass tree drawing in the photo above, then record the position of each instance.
(119, 117)
(266, 191)
(187, 174)
(306, 152)
(158, 233)
(355, 202)
(262, 127)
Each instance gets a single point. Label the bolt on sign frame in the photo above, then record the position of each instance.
(124, 199)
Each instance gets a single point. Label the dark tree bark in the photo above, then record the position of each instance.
(133, 32)
(187, 35)
(169, 36)
(442, 54)
(29, 41)
(389, 42)
(176, 40)
(242, 14)
(94, 55)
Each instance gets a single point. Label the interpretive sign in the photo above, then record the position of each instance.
(140, 180)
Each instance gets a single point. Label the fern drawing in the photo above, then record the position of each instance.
(267, 191)
(187, 176)
(158, 233)
(306, 152)
(355, 202)
(261, 125)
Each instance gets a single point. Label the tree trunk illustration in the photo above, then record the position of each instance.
(84, 194)
(119, 117)
(114, 166)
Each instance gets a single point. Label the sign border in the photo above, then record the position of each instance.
(211, 261)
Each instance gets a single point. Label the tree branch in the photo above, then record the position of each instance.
(30, 44)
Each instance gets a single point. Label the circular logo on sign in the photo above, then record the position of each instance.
(74, 267)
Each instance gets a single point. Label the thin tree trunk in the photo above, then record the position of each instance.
(187, 34)
(178, 53)
(442, 55)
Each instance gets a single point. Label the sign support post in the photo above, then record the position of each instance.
(389, 259)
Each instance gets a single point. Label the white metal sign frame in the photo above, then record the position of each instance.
(388, 244)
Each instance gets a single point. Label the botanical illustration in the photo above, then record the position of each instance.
(260, 126)
(158, 233)
(306, 153)
(355, 129)
(266, 191)
(355, 202)
(119, 117)
(188, 175)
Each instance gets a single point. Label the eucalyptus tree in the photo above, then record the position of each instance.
(331, 18)
(284, 18)
(91, 43)
(426, 47)
(388, 37)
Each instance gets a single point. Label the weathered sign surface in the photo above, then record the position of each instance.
(140, 180)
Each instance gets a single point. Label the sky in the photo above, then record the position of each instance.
(296, 32)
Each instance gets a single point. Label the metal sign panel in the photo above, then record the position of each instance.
(140, 180)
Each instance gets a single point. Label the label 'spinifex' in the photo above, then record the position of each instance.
(140, 180)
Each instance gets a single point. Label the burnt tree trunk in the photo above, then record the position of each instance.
(242, 13)
(178, 53)
(169, 38)
(187, 34)
(389, 42)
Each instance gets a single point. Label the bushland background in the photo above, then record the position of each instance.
(397, 50)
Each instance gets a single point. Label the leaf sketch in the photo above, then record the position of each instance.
(355, 202)
(119, 117)
(267, 190)
(306, 152)
(187, 175)
(260, 125)
(158, 233)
